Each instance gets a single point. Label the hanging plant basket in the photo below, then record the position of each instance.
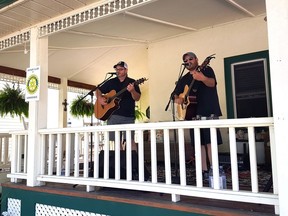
(81, 108)
(12, 101)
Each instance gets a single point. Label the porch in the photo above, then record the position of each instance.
(136, 201)
(58, 167)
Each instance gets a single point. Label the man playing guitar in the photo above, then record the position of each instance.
(125, 110)
(206, 105)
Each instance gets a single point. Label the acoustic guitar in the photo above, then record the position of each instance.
(187, 110)
(103, 112)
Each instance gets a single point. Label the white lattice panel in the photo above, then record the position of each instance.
(48, 210)
(14, 207)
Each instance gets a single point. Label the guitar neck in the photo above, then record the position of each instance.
(137, 82)
(117, 94)
(120, 92)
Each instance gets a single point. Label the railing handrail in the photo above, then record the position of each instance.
(219, 123)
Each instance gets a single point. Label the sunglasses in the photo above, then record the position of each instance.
(190, 59)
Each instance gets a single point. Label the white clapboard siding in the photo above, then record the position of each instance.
(9, 123)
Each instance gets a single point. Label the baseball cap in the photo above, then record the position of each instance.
(189, 54)
(121, 64)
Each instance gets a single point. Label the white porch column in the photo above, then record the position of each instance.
(277, 20)
(37, 109)
(62, 121)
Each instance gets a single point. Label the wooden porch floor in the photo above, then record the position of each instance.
(187, 204)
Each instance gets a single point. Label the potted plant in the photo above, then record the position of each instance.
(12, 101)
(139, 115)
(81, 107)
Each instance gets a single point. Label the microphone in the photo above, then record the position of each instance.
(185, 64)
(112, 73)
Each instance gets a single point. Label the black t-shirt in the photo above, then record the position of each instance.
(206, 97)
(127, 103)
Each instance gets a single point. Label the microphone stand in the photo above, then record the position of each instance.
(176, 179)
(91, 122)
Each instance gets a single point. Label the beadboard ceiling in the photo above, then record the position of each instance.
(94, 47)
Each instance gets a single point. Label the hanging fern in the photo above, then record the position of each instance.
(81, 108)
(12, 101)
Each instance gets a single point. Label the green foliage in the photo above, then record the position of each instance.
(139, 115)
(12, 101)
(81, 108)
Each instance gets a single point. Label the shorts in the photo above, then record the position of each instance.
(117, 119)
(205, 134)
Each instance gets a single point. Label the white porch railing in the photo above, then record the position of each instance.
(5, 143)
(4, 149)
(60, 150)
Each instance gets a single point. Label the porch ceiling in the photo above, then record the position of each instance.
(87, 52)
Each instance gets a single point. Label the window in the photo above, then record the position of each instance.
(247, 85)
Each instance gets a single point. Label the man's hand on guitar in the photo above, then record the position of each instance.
(102, 100)
(178, 100)
(199, 76)
(130, 87)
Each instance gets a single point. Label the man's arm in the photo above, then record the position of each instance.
(135, 95)
(208, 81)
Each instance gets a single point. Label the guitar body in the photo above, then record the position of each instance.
(187, 110)
(104, 112)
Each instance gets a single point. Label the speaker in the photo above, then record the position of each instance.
(122, 165)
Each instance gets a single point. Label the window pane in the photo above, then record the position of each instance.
(250, 89)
